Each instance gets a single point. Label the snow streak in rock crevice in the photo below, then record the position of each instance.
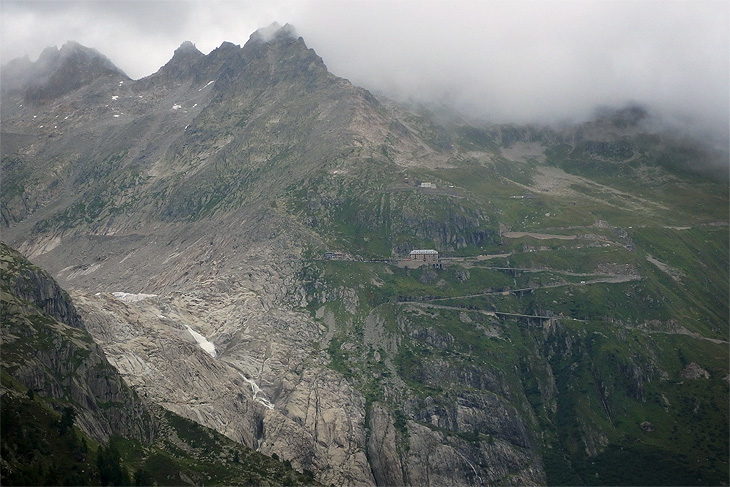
(256, 389)
(207, 346)
(131, 297)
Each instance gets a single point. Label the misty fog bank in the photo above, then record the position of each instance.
(524, 62)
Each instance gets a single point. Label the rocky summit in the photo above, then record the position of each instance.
(236, 233)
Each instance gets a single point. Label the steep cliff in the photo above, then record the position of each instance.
(47, 350)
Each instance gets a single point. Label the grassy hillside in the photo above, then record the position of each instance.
(589, 299)
(42, 447)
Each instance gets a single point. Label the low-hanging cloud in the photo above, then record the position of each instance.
(523, 61)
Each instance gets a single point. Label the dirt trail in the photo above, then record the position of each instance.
(599, 280)
(673, 273)
(686, 332)
(539, 236)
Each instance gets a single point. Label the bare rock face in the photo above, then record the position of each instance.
(694, 371)
(436, 460)
(259, 383)
(383, 448)
(37, 287)
(321, 429)
(482, 450)
(230, 356)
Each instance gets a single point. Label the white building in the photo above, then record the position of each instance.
(425, 255)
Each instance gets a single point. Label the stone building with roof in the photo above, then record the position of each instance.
(430, 256)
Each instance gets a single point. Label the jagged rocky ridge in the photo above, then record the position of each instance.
(216, 183)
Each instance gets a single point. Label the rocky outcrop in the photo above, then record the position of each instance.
(693, 371)
(434, 459)
(65, 363)
(34, 285)
(321, 428)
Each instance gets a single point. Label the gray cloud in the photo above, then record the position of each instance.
(505, 61)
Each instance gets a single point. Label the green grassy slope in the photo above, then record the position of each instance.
(619, 362)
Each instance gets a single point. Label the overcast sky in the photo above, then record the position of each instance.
(505, 60)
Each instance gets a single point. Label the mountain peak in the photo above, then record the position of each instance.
(72, 46)
(84, 56)
(183, 58)
(227, 46)
(274, 31)
(58, 71)
(187, 47)
(181, 64)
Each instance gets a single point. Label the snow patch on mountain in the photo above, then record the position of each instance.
(131, 297)
(207, 346)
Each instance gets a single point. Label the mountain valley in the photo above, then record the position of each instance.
(234, 233)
